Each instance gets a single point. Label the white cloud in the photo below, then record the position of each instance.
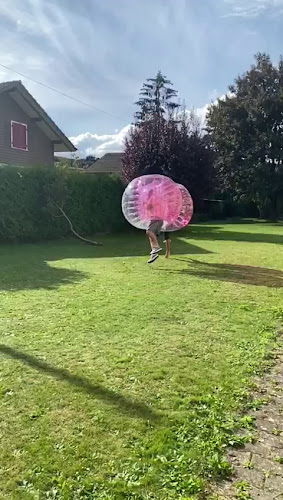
(89, 143)
(80, 139)
(94, 144)
(253, 8)
(202, 112)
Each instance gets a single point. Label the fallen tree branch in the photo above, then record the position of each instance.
(77, 235)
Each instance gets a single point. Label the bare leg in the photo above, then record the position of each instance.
(167, 248)
(153, 241)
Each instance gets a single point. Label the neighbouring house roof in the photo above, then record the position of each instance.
(110, 163)
(30, 106)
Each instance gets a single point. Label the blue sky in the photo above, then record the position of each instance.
(101, 51)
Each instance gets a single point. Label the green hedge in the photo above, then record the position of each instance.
(92, 202)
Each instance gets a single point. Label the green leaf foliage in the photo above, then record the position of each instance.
(92, 202)
(246, 129)
(173, 147)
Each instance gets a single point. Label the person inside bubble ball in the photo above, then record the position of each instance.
(155, 226)
(153, 232)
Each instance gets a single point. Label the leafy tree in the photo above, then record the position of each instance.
(91, 158)
(171, 147)
(246, 130)
(167, 141)
(193, 159)
(156, 98)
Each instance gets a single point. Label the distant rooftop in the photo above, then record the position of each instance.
(110, 163)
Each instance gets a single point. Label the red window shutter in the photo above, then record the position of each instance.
(19, 136)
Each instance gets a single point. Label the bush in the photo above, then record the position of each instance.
(92, 202)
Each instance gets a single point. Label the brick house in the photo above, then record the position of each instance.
(28, 136)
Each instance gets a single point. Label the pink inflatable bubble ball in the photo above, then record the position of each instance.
(156, 197)
(149, 198)
(186, 212)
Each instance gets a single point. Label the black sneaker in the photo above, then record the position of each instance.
(153, 258)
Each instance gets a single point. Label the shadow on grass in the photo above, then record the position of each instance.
(214, 233)
(247, 275)
(27, 266)
(127, 245)
(36, 275)
(127, 405)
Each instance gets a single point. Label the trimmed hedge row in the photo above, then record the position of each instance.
(92, 202)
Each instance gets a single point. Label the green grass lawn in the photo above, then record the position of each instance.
(120, 380)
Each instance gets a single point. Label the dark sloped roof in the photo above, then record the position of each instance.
(110, 163)
(8, 85)
(30, 106)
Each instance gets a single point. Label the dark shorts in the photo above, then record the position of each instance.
(155, 226)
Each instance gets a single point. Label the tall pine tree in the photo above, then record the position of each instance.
(155, 98)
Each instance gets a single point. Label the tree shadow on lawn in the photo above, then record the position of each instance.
(246, 275)
(215, 233)
(37, 274)
(26, 266)
(128, 245)
(127, 405)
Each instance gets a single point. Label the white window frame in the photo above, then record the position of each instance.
(12, 138)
